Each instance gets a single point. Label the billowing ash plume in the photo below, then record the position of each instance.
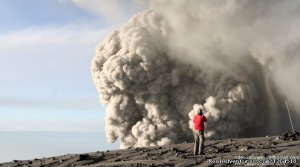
(238, 60)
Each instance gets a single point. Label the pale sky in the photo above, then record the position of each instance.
(46, 48)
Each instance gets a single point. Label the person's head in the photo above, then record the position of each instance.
(200, 112)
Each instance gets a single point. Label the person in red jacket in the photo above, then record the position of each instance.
(199, 120)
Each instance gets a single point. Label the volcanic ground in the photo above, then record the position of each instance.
(281, 150)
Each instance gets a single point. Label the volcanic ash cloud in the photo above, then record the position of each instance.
(157, 70)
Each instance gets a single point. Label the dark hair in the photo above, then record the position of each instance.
(200, 112)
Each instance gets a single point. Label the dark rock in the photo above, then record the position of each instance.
(102, 154)
(250, 147)
(118, 159)
(83, 157)
(173, 149)
(290, 135)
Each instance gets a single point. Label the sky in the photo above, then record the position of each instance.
(46, 48)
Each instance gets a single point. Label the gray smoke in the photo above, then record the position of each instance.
(238, 60)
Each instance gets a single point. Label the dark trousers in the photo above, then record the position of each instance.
(199, 137)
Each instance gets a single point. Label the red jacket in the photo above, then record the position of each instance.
(199, 122)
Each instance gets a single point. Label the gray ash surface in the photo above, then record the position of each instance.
(178, 154)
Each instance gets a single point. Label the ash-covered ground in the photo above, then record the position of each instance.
(282, 150)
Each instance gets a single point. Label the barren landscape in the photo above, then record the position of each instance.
(281, 150)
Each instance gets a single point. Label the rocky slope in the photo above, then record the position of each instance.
(277, 150)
